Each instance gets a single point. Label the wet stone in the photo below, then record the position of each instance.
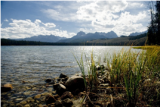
(23, 102)
(27, 105)
(37, 96)
(19, 99)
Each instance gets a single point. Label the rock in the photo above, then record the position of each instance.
(37, 96)
(58, 103)
(55, 86)
(50, 99)
(50, 81)
(6, 87)
(23, 102)
(60, 89)
(27, 93)
(57, 97)
(75, 82)
(19, 99)
(67, 102)
(62, 75)
(29, 99)
(46, 93)
(64, 79)
(27, 105)
(66, 94)
(100, 67)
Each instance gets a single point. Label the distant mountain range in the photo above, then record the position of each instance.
(82, 37)
(137, 33)
(44, 38)
(79, 38)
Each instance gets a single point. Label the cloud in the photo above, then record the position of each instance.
(27, 28)
(124, 17)
(6, 20)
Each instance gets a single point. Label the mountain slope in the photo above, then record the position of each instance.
(44, 38)
(82, 37)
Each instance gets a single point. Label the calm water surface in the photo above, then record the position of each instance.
(36, 63)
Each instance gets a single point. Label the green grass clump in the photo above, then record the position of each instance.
(129, 69)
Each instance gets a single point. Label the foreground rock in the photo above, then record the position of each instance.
(66, 94)
(75, 83)
(60, 89)
(50, 99)
(63, 76)
(6, 87)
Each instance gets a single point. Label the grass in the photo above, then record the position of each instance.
(130, 70)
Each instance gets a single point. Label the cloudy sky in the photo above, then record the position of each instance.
(21, 19)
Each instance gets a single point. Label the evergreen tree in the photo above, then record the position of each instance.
(154, 28)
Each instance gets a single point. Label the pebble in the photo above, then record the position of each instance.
(23, 102)
(19, 99)
(37, 96)
(27, 105)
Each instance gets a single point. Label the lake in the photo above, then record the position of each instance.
(36, 63)
(27, 68)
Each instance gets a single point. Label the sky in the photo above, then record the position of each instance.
(23, 19)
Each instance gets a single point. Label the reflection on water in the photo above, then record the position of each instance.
(36, 63)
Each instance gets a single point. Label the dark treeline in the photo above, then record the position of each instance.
(137, 37)
(154, 27)
(8, 42)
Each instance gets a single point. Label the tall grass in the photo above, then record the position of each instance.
(129, 69)
(91, 78)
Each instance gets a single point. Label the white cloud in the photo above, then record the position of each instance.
(56, 15)
(123, 17)
(27, 28)
(6, 20)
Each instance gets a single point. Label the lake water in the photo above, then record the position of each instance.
(36, 63)
(27, 67)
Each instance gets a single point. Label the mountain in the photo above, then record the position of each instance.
(82, 37)
(44, 38)
(110, 34)
(137, 33)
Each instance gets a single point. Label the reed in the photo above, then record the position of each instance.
(129, 69)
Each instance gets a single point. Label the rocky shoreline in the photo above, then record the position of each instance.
(65, 91)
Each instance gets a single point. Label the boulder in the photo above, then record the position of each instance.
(50, 99)
(66, 94)
(75, 82)
(67, 102)
(6, 87)
(62, 75)
(60, 89)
